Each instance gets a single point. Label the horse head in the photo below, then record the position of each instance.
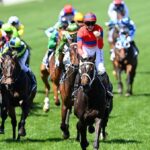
(9, 68)
(121, 48)
(87, 72)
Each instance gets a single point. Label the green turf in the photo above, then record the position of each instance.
(129, 123)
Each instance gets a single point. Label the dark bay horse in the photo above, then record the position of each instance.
(16, 91)
(126, 59)
(66, 89)
(90, 105)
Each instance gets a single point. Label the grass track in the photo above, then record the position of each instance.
(129, 124)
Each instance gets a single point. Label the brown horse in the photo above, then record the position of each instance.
(54, 73)
(125, 60)
(66, 89)
(16, 91)
(90, 105)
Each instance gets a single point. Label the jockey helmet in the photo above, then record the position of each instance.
(15, 42)
(68, 9)
(14, 20)
(90, 17)
(63, 23)
(78, 17)
(116, 2)
(7, 28)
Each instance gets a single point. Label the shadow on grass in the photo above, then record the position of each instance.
(43, 91)
(134, 95)
(29, 140)
(143, 72)
(141, 94)
(122, 141)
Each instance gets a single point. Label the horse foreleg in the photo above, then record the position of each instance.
(78, 132)
(21, 125)
(120, 84)
(130, 79)
(65, 113)
(4, 117)
(55, 90)
(103, 134)
(83, 132)
(97, 131)
(12, 114)
(44, 76)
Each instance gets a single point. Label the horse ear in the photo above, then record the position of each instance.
(93, 58)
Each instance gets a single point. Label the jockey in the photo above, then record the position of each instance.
(68, 36)
(78, 19)
(68, 12)
(127, 27)
(90, 42)
(8, 29)
(52, 43)
(3, 39)
(14, 21)
(17, 47)
(117, 6)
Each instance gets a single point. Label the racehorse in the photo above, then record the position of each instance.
(16, 91)
(66, 89)
(90, 105)
(54, 73)
(125, 60)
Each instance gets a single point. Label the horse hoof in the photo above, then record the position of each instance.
(66, 135)
(91, 129)
(119, 91)
(57, 103)
(103, 136)
(2, 131)
(46, 104)
(127, 94)
(22, 132)
(45, 109)
(114, 73)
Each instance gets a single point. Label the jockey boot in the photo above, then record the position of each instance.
(107, 84)
(32, 79)
(136, 50)
(48, 54)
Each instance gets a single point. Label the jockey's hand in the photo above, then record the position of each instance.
(14, 53)
(97, 34)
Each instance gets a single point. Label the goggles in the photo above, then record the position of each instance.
(91, 23)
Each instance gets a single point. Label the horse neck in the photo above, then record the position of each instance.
(73, 54)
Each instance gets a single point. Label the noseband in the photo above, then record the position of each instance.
(86, 74)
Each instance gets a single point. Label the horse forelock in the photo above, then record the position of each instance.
(9, 69)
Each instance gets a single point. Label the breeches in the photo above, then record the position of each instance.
(22, 61)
